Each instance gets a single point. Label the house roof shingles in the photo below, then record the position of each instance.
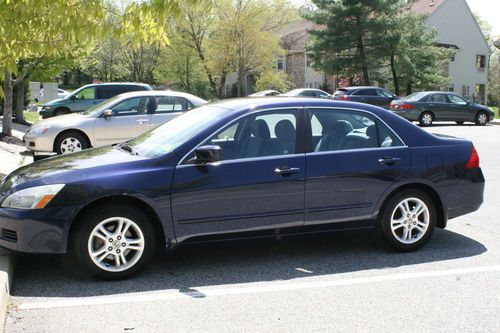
(425, 6)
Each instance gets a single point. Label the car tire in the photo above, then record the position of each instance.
(70, 142)
(408, 220)
(459, 122)
(112, 242)
(426, 119)
(481, 118)
(61, 112)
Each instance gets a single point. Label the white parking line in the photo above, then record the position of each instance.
(203, 292)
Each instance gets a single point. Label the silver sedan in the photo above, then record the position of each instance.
(115, 120)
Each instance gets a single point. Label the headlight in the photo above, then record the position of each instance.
(46, 107)
(32, 198)
(39, 129)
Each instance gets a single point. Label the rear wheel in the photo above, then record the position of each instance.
(113, 243)
(426, 119)
(408, 220)
(481, 118)
(70, 142)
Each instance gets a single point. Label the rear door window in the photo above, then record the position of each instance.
(366, 92)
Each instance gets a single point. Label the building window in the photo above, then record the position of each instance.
(279, 65)
(481, 62)
(451, 87)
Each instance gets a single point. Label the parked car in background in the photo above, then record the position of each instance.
(240, 169)
(61, 93)
(118, 119)
(87, 96)
(429, 106)
(265, 93)
(307, 92)
(369, 95)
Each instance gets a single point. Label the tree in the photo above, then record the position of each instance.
(28, 30)
(273, 80)
(352, 41)
(416, 61)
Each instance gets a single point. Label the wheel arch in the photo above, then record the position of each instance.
(70, 130)
(119, 200)
(440, 208)
(60, 108)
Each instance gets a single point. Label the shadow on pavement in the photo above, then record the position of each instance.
(242, 262)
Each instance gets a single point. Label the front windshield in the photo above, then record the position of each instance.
(99, 107)
(166, 138)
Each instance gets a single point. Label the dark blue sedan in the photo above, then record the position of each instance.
(239, 169)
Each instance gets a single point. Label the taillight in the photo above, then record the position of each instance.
(473, 162)
(405, 106)
(344, 98)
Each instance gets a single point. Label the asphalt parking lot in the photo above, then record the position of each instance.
(347, 281)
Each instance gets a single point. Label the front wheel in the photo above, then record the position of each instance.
(70, 142)
(481, 118)
(459, 122)
(408, 220)
(113, 243)
(426, 119)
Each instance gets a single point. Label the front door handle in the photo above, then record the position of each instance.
(142, 121)
(388, 160)
(285, 171)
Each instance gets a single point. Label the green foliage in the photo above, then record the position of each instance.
(352, 44)
(273, 80)
(416, 60)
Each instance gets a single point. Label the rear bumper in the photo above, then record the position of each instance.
(35, 231)
(409, 115)
(466, 196)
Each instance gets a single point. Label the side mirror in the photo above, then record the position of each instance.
(208, 154)
(72, 97)
(107, 114)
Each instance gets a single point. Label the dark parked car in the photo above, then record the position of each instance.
(88, 96)
(369, 95)
(429, 106)
(240, 169)
(307, 92)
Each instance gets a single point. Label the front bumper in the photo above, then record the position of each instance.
(47, 113)
(36, 231)
(39, 143)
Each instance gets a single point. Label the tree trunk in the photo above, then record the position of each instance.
(241, 76)
(408, 88)
(222, 84)
(7, 104)
(20, 103)
(394, 75)
(362, 55)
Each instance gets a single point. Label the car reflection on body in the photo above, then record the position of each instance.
(241, 168)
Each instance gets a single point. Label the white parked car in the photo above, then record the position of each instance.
(61, 93)
(115, 120)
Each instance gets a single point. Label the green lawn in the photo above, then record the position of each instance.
(32, 117)
(495, 109)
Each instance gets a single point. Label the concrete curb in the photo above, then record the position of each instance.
(6, 274)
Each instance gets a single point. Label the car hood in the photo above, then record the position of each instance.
(66, 120)
(63, 168)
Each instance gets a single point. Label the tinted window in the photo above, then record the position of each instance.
(128, 107)
(383, 93)
(307, 93)
(366, 92)
(438, 98)
(341, 130)
(264, 134)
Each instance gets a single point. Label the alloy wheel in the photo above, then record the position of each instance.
(70, 145)
(410, 220)
(116, 244)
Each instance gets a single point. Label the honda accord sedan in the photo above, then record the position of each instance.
(117, 119)
(240, 169)
(429, 106)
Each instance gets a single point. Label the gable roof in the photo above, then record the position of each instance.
(426, 7)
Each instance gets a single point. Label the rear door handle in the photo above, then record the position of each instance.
(285, 171)
(389, 160)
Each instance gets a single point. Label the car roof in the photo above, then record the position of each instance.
(360, 87)
(117, 84)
